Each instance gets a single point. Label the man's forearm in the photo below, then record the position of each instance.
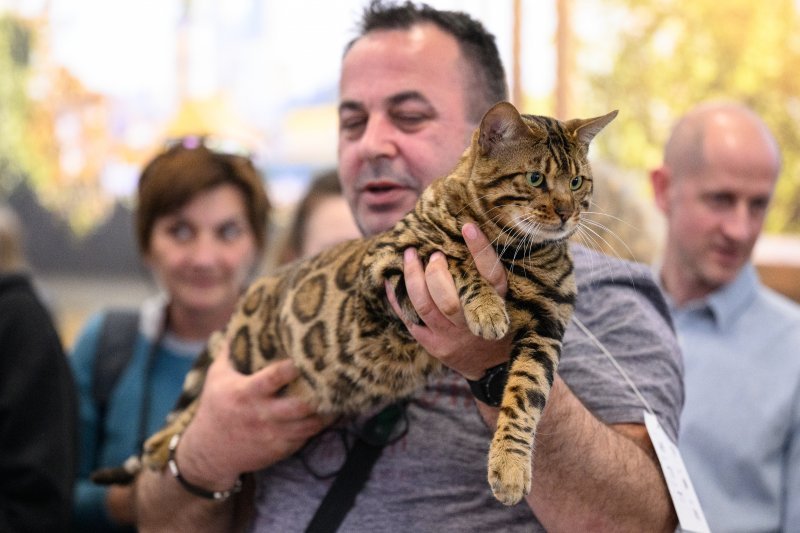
(159, 496)
(588, 477)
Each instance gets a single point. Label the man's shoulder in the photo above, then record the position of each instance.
(592, 268)
(608, 282)
(780, 303)
(777, 309)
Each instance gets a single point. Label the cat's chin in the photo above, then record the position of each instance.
(544, 235)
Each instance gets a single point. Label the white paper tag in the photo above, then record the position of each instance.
(690, 514)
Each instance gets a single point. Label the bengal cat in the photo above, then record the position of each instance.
(525, 181)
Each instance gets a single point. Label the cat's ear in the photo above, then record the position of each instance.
(500, 123)
(585, 129)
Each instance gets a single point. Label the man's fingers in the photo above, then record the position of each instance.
(442, 289)
(267, 384)
(486, 260)
(273, 377)
(417, 288)
(392, 297)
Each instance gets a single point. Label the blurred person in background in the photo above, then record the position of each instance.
(322, 218)
(38, 433)
(201, 222)
(740, 425)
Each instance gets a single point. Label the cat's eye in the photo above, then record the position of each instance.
(576, 183)
(535, 178)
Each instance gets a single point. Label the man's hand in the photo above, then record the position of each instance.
(242, 425)
(432, 292)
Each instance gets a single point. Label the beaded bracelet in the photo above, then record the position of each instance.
(219, 496)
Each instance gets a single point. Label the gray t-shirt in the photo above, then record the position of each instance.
(434, 477)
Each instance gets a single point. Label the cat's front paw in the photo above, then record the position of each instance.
(487, 319)
(509, 475)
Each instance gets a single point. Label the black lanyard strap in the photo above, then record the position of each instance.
(369, 445)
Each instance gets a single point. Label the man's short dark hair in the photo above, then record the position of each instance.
(477, 45)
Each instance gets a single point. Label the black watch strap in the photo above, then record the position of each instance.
(489, 389)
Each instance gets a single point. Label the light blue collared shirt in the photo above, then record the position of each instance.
(740, 426)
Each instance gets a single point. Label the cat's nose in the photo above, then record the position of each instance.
(563, 212)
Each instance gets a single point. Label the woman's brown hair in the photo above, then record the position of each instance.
(176, 176)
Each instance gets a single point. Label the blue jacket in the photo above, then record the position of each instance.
(110, 441)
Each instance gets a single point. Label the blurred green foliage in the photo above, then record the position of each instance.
(27, 150)
(672, 54)
(15, 158)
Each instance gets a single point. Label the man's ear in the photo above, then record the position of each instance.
(660, 179)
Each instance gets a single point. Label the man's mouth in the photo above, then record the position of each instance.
(728, 256)
(376, 193)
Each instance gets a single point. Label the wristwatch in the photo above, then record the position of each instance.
(489, 389)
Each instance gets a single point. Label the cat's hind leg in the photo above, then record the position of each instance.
(155, 452)
(156, 448)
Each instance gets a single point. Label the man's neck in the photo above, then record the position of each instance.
(681, 286)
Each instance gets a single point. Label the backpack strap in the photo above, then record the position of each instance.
(114, 351)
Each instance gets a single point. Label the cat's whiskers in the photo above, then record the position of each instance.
(469, 204)
(505, 245)
(518, 232)
(512, 237)
(609, 215)
(516, 236)
(623, 226)
(589, 235)
(493, 244)
(526, 233)
(602, 212)
(587, 240)
(589, 222)
(520, 236)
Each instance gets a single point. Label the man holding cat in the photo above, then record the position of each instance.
(414, 85)
(740, 428)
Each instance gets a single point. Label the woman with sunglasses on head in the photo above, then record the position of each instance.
(201, 224)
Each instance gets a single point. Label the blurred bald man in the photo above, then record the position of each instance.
(740, 427)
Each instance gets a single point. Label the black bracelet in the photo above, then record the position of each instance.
(489, 388)
(218, 496)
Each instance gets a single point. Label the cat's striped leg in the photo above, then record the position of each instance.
(510, 455)
(156, 448)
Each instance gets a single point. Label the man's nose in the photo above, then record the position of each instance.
(378, 139)
(738, 223)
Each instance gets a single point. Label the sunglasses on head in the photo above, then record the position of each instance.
(211, 143)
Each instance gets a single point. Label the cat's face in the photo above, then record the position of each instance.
(536, 169)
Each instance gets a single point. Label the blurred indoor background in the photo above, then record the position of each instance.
(90, 89)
